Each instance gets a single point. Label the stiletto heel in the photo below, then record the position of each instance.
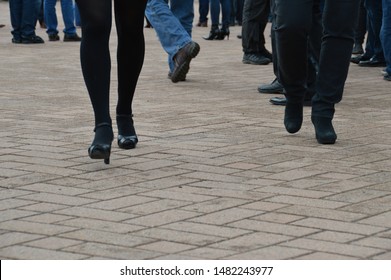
(101, 146)
(127, 137)
(224, 31)
(213, 34)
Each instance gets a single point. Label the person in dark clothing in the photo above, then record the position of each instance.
(96, 19)
(314, 44)
(255, 18)
(292, 26)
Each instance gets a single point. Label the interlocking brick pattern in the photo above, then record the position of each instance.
(214, 176)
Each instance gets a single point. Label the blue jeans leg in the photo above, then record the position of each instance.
(374, 12)
(204, 10)
(385, 33)
(172, 34)
(24, 15)
(68, 16)
(225, 11)
(77, 15)
(49, 11)
(183, 10)
(215, 11)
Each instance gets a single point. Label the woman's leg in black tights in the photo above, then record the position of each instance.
(95, 56)
(96, 65)
(129, 18)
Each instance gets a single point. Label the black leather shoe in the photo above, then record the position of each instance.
(17, 40)
(255, 59)
(127, 137)
(170, 74)
(324, 130)
(387, 77)
(182, 61)
(282, 101)
(358, 58)
(54, 37)
(101, 146)
(357, 49)
(373, 62)
(72, 38)
(293, 118)
(34, 39)
(274, 87)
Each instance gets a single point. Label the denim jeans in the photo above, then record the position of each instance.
(203, 10)
(68, 15)
(24, 15)
(292, 27)
(77, 15)
(173, 24)
(225, 11)
(374, 22)
(385, 33)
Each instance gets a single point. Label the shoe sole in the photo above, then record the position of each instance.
(180, 74)
(256, 63)
(281, 91)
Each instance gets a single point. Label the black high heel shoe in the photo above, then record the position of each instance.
(224, 31)
(127, 137)
(213, 34)
(101, 146)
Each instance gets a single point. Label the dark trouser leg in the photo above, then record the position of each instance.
(292, 25)
(255, 18)
(335, 54)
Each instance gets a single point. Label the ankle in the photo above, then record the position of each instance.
(293, 118)
(103, 134)
(324, 130)
(125, 125)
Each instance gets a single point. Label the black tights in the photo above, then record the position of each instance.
(96, 17)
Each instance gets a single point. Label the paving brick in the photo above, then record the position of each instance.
(227, 232)
(30, 253)
(293, 200)
(56, 198)
(270, 253)
(206, 253)
(251, 241)
(334, 236)
(330, 247)
(315, 212)
(16, 238)
(53, 243)
(339, 226)
(34, 227)
(260, 226)
(226, 216)
(112, 252)
(215, 205)
(88, 223)
(105, 237)
(179, 236)
(85, 212)
(161, 218)
(165, 247)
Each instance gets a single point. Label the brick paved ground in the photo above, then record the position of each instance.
(215, 175)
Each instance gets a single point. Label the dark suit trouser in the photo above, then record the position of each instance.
(293, 25)
(255, 18)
